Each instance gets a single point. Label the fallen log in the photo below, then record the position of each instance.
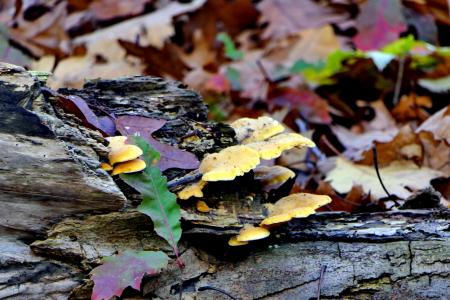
(60, 214)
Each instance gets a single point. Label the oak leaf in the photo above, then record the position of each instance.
(400, 178)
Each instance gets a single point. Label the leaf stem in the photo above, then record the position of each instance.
(208, 287)
(375, 163)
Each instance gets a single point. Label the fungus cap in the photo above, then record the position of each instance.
(228, 163)
(299, 205)
(116, 141)
(124, 153)
(202, 206)
(105, 166)
(192, 190)
(276, 219)
(273, 147)
(254, 130)
(131, 166)
(251, 233)
(272, 177)
(234, 242)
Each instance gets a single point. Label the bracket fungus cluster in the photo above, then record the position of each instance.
(260, 138)
(299, 205)
(123, 158)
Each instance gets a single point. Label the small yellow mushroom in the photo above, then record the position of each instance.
(234, 242)
(251, 233)
(273, 147)
(116, 141)
(192, 190)
(202, 206)
(298, 205)
(105, 166)
(229, 163)
(131, 166)
(272, 177)
(124, 153)
(276, 219)
(255, 130)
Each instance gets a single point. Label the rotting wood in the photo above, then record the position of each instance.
(402, 255)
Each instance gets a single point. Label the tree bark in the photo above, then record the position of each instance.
(60, 214)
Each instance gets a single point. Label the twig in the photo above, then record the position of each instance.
(264, 71)
(188, 178)
(180, 291)
(398, 83)
(375, 163)
(319, 286)
(208, 287)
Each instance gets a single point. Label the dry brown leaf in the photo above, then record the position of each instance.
(405, 145)
(411, 107)
(436, 153)
(286, 17)
(310, 45)
(400, 178)
(356, 144)
(151, 29)
(104, 59)
(438, 124)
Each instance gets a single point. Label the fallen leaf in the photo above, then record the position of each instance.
(307, 103)
(439, 85)
(286, 17)
(308, 45)
(160, 62)
(104, 10)
(412, 107)
(171, 157)
(400, 178)
(76, 105)
(405, 145)
(438, 124)
(436, 153)
(215, 16)
(379, 23)
(123, 270)
(358, 143)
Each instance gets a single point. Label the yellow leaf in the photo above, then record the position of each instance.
(400, 177)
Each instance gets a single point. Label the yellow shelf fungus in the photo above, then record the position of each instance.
(252, 233)
(131, 166)
(298, 205)
(255, 130)
(229, 163)
(234, 242)
(192, 190)
(273, 147)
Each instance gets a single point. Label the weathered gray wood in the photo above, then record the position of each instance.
(367, 255)
(46, 172)
(24, 275)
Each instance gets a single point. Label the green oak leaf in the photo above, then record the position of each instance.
(157, 201)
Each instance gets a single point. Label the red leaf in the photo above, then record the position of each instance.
(310, 105)
(218, 83)
(77, 106)
(123, 270)
(379, 23)
(171, 157)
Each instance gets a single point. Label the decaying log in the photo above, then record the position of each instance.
(60, 214)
